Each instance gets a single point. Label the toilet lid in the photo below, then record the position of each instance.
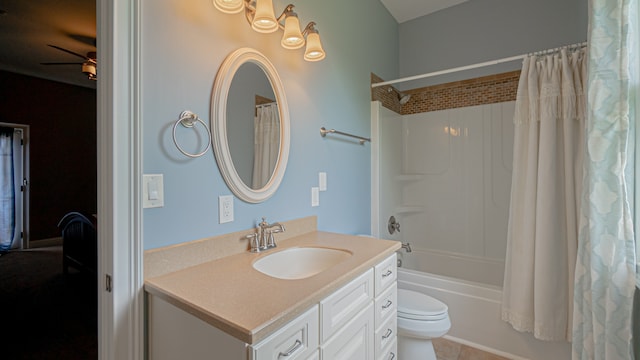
(418, 306)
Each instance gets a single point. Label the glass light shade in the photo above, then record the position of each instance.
(314, 51)
(264, 20)
(292, 38)
(229, 6)
(89, 69)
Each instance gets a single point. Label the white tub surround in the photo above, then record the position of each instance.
(445, 176)
(229, 294)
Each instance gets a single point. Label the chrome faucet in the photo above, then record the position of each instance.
(263, 239)
(407, 247)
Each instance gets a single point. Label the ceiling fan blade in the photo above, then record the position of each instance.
(61, 63)
(68, 51)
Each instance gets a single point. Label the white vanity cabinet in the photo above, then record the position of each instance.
(355, 322)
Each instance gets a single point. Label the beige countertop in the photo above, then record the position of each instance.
(231, 295)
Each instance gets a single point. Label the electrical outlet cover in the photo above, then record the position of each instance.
(225, 205)
(322, 181)
(315, 196)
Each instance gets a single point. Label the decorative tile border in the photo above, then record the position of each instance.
(479, 91)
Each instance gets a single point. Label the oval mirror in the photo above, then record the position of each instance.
(250, 125)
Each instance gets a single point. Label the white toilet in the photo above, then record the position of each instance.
(420, 319)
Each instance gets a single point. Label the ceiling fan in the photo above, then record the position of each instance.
(89, 65)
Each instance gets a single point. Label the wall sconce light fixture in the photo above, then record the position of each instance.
(260, 15)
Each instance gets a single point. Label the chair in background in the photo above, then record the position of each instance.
(79, 243)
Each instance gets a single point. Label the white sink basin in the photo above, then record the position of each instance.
(299, 263)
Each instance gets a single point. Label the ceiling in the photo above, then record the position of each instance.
(405, 10)
(28, 26)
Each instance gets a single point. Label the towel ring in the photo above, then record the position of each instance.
(188, 119)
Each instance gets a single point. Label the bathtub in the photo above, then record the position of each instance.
(455, 265)
(474, 309)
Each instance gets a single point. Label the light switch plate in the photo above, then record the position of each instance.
(225, 211)
(322, 181)
(152, 191)
(315, 196)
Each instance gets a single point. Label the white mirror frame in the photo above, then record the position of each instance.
(222, 85)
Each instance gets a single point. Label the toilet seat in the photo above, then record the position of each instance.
(417, 306)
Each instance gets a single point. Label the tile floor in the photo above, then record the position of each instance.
(449, 350)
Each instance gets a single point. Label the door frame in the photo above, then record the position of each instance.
(26, 202)
(120, 248)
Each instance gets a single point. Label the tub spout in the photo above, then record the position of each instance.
(407, 247)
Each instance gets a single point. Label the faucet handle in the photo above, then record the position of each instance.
(271, 243)
(254, 242)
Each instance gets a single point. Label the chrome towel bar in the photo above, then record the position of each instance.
(324, 132)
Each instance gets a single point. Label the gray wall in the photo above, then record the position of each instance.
(484, 30)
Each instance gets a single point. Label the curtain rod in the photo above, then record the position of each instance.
(474, 66)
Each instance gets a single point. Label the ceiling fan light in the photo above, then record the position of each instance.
(89, 69)
(292, 37)
(264, 19)
(314, 50)
(229, 6)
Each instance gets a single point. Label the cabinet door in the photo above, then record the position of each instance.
(296, 340)
(354, 341)
(341, 306)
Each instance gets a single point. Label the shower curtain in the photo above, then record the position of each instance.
(605, 270)
(7, 190)
(545, 194)
(266, 144)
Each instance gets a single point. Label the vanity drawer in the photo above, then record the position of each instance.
(341, 306)
(390, 353)
(298, 339)
(386, 304)
(385, 274)
(385, 336)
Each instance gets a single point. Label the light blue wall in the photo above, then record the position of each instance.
(183, 45)
(484, 30)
